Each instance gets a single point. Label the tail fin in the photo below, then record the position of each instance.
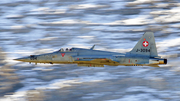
(146, 46)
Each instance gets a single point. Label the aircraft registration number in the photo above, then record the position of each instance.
(143, 50)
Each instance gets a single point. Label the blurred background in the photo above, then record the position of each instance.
(40, 26)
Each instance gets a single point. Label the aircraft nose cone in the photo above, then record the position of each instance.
(20, 59)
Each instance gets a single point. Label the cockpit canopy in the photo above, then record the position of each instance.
(66, 49)
(33, 57)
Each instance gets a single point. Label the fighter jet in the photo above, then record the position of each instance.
(143, 54)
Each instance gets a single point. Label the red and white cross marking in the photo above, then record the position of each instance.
(145, 43)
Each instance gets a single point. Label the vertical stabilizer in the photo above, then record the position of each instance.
(146, 46)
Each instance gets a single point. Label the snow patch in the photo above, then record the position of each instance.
(48, 38)
(87, 6)
(166, 44)
(18, 27)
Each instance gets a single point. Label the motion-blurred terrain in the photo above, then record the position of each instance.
(41, 26)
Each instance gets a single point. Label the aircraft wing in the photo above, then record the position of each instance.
(95, 62)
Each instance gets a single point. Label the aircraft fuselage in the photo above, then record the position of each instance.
(93, 58)
(144, 53)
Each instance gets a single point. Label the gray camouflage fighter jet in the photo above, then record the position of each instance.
(143, 54)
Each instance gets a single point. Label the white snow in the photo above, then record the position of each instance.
(48, 38)
(18, 27)
(87, 6)
(166, 44)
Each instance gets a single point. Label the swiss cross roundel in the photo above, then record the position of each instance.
(145, 43)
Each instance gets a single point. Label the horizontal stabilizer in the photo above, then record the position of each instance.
(154, 65)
